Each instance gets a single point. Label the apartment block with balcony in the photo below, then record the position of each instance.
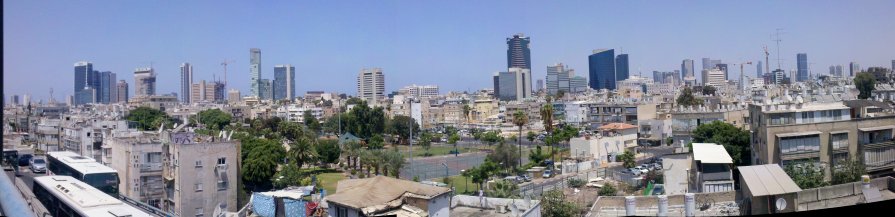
(200, 174)
(686, 119)
(137, 156)
(824, 134)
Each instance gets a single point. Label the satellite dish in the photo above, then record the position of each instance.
(781, 204)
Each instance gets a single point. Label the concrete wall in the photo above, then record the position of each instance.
(492, 203)
(440, 206)
(653, 201)
(816, 198)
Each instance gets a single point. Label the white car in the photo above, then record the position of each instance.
(634, 171)
(595, 183)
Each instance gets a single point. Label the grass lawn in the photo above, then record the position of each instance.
(329, 181)
(460, 182)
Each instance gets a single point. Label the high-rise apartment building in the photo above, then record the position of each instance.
(853, 69)
(621, 67)
(144, 82)
(284, 82)
(122, 90)
(234, 95)
(713, 77)
(802, 67)
(371, 85)
(518, 52)
(687, 68)
(601, 65)
(186, 82)
(255, 71)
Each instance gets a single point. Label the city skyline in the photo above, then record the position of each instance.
(324, 47)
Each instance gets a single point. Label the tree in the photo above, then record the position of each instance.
(400, 125)
(426, 142)
(376, 142)
(708, 90)
(560, 94)
(214, 119)
(503, 189)
(608, 190)
(536, 156)
(806, 175)
(395, 162)
(576, 182)
(354, 101)
(260, 157)
(311, 122)
(627, 158)
(520, 119)
(352, 153)
(506, 154)
(654, 176)
(687, 99)
(734, 140)
(364, 121)
(328, 151)
(491, 137)
(148, 118)
(669, 140)
(555, 205)
(866, 83)
(531, 136)
(302, 151)
(547, 118)
(466, 111)
(846, 171)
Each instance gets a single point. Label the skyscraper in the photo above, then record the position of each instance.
(84, 80)
(540, 85)
(601, 65)
(621, 67)
(687, 68)
(758, 68)
(186, 82)
(106, 87)
(284, 82)
(893, 65)
(266, 88)
(144, 82)
(233, 95)
(518, 52)
(515, 84)
(853, 69)
(722, 67)
(371, 85)
(255, 71)
(122, 90)
(802, 66)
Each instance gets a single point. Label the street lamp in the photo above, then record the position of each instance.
(466, 188)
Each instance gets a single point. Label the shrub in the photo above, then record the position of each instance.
(608, 190)
(576, 183)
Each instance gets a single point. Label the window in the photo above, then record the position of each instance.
(839, 140)
(810, 143)
(222, 161)
(154, 157)
(198, 163)
(879, 157)
(198, 187)
(200, 212)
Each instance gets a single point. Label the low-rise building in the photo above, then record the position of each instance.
(612, 140)
(711, 168)
(137, 156)
(200, 173)
(386, 196)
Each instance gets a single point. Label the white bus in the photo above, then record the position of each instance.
(67, 196)
(66, 163)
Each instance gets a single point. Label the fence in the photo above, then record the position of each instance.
(431, 168)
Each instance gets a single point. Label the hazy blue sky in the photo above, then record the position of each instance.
(457, 45)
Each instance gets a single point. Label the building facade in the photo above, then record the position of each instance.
(200, 174)
(144, 82)
(371, 85)
(601, 65)
(137, 156)
(284, 82)
(255, 71)
(558, 78)
(621, 67)
(186, 82)
(802, 67)
(122, 90)
(518, 52)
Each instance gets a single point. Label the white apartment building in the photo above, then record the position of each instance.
(295, 113)
(137, 156)
(371, 85)
(713, 77)
(425, 91)
(200, 174)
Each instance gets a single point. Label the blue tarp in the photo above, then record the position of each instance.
(263, 205)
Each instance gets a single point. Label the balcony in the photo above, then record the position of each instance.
(151, 167)
(717, 176)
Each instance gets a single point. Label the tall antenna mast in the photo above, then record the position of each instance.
(777, 39)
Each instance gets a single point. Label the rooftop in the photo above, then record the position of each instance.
(711, 153)
(464, 205)
(768, 179)
(616, 126)
(91, 201)
(375, 194)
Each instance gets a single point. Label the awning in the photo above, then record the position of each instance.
(798, 134)
(877, 128)
(838, 132)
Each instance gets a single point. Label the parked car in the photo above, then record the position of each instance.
(38, 165)
(514, 179)
(657, 166)
(25, 160)
(659, 189)
(547, 174)
(634, 171)
(641, 169)
(526, 178)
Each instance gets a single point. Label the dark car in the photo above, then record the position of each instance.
(25, 160)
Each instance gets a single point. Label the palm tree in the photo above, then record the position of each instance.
(547, 118)
(352, 151)
(466, 111)
(395, 161)
(302, 151)
(520, 119)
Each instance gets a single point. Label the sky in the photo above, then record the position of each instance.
(457, 45)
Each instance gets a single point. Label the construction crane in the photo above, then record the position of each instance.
(225, 69)
(767, 65)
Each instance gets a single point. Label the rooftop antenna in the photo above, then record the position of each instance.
(777, 39)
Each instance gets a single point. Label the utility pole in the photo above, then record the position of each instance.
(409, 113)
